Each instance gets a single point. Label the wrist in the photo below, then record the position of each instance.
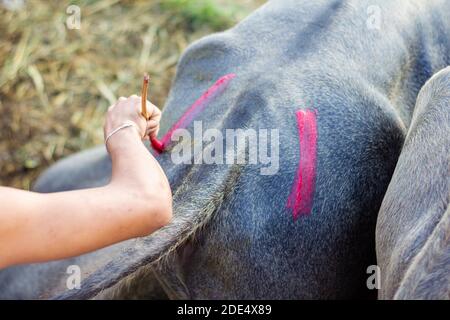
(122, 139)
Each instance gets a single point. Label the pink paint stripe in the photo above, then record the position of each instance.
(193, 111)
(301, 198)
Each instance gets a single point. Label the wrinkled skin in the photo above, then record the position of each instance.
(232, 236)
(413, 243)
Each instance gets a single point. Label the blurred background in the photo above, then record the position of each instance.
(60, 68)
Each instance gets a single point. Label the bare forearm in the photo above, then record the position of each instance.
(62, 225)
(40, 227)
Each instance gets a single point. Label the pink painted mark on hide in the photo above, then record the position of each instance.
(193, 111)
(300, 199)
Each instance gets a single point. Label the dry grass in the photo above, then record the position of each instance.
(56, 83)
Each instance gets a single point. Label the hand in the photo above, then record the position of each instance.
(129, 109)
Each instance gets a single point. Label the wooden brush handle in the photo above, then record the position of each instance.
(156, 144)
(144, 97)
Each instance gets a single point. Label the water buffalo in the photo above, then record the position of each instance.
(413, 243)
(359, 65)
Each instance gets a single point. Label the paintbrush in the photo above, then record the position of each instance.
(190, 114)
(144, 97)
(156, 144)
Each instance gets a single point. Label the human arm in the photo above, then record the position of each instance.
(40, 227)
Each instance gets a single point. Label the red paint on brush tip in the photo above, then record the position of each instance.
(193, 111)
(301, 198)
(157, 145)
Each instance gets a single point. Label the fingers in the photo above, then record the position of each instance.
(152, 128)
(153, 111)
(153, 122)
(130, 108)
